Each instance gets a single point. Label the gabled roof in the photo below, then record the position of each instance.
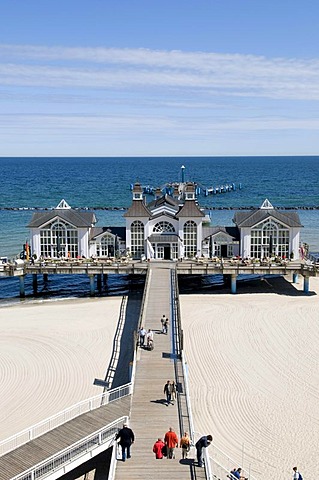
(164, 200)
(120, 232)
(190, 209)
(252, 218)
(77, 218)
(138, 209)
(231, 232)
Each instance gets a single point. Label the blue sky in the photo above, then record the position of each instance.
(148, 77)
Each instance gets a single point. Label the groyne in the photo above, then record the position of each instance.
(206, 207)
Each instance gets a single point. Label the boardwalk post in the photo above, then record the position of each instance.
(22, 289)
(233, 283)
(92, 288)
(306, 284)
(295, 277)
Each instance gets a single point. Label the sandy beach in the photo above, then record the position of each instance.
(254, 376)
(253, 364)
(50, 354)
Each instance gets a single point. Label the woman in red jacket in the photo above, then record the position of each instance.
(158, 448)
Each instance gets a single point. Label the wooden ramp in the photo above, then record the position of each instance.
(150, 417)
(38, 450)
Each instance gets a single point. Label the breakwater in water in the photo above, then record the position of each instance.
(251, 207)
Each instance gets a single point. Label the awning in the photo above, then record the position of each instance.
(164, 238)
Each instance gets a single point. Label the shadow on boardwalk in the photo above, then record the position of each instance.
(118, 373)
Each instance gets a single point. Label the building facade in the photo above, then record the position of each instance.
(169, 227)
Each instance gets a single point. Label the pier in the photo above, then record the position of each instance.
(63, 448)
(97, 270)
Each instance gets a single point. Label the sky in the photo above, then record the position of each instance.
(159, 77)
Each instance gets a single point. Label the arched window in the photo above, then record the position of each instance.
(163, 227)
(59, 239)
(137, 239)
(190, 239)
(269, 238)
(106, 246)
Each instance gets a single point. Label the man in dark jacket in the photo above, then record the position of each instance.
(126, 437)
(203, 442)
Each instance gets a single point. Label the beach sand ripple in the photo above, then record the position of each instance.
(254, 377)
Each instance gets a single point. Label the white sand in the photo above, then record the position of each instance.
(254, 377)
(50, 354)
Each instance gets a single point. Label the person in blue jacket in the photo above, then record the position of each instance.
(203, 442)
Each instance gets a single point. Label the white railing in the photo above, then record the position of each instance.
(66, 415)
(62, 459)
(222, 463)
(188, 398)
(221, 458)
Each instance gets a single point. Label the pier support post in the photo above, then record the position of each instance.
(99, 282)
(104, 278)
(45, 277)
(92, 288)
(295, 278)
(306, 284)
(35, 283)
(22, 288)
(233, 283)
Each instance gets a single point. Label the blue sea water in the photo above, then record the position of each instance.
(101, 183)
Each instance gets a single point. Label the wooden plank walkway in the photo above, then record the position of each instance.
(150, 417)
(36, 451)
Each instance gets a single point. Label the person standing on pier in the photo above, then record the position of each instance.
(127, 438)
(168, 392)
(142, 334)
(171, 441)
(203, 442)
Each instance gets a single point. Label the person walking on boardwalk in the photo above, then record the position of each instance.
(185, 445)
(163, 320)
(296, 475)
(203, 442)
(168, 392)
(171, 441)
(166, 323)
(126, 437)
(173, 392)
(142, 334)
(158, 448)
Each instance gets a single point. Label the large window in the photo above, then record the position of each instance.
(106, 246)
(163, 227)
(269, 238)
(190, 239)
(59, 239)
(137, 239)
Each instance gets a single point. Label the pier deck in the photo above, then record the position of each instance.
(41, 448)
(150, 417)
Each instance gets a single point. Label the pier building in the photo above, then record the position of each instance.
(169, 227)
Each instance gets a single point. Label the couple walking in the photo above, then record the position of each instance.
(170, 392)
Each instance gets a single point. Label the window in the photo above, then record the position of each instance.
(163, 227)
(137, 239)
(59, 239)
(269, 238)
(106, 246)
(190, 239)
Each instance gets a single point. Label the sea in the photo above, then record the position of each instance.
(104, 185)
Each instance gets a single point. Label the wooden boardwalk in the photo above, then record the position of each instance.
(36, 451)
(150, 417)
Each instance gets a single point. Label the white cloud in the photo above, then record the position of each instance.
(218, 74)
